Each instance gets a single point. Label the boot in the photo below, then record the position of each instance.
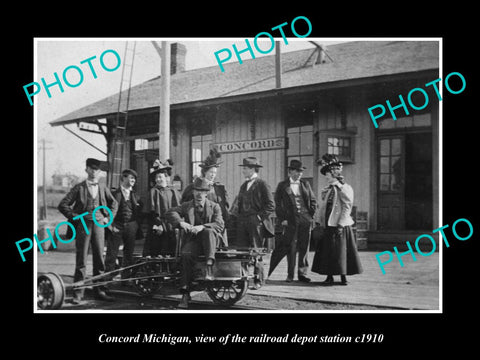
(328, 280)
(77, 299)
(209, 271)
(184, 302)
(101, 295)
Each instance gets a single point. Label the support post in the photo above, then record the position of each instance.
(164, 122)
(278, 66)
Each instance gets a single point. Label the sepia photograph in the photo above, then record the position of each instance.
(264, 175)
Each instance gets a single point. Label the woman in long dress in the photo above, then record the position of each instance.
(160, 239)
(337, 252)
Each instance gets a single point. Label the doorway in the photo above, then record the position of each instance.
(405, 184)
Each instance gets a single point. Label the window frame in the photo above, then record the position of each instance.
(194, 168)
(299, 155)
(349, 133)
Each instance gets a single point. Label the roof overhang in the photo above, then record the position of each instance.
(325, 86)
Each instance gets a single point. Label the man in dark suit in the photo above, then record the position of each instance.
(202, 222)
(295, 206)
(125, 225)
(78, 206)
(255, 210)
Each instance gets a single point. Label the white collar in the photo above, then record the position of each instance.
(253, 177)
(125, 189)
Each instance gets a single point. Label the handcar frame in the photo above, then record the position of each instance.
(233, 273)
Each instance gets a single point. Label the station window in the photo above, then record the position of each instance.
(300, 147)
(339, 145)
(390, 164)
(200, 148)
(200, 140)
(418, 120)
(146, 144)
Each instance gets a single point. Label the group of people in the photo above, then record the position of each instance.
(203, 211)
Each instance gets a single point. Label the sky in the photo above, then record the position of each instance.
(66, 153)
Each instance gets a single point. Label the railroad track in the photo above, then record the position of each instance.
(128, 300)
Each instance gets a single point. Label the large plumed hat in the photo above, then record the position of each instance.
(211, 160)
(158, 167)
(329, 162)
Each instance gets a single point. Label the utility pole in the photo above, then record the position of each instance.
(164, 122)
(278, 66)
(43, 211)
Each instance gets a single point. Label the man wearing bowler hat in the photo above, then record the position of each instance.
(255, 209)
(125, 224)
(80, 202)
(295, 205)
(202, 221)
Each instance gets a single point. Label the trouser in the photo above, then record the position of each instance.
(299, 243)
(126, 235)
(251, 233)
(204, 243)
(94, 237)
(295, 239)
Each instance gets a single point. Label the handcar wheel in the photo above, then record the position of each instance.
(147, 286)
(227, 293)
(50, 291)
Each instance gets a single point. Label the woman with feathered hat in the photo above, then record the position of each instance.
(337, 252)
(217, 194)
(160, 239)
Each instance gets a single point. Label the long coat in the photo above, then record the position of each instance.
(219, 195)
(75, 202)
(186, 212)
(262, 202)
(342, 206)
(285, 208)
(159, 205)
(337, 251)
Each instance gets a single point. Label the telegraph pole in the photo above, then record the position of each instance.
(43, 212)
(278, 66)
(164, 122)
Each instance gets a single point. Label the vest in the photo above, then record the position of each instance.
(199, 216)
(125, 210)
(300, 206)
(92, 204)
(246, 203)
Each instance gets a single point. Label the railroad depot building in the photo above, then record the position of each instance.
(320, 107)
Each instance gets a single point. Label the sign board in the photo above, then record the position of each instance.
(251, 145)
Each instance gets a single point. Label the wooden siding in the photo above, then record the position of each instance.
(357, 174)
(247, 121)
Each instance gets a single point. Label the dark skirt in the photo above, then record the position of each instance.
(336, 253)
(164, 244)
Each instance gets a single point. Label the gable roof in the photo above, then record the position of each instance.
(351, 60)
